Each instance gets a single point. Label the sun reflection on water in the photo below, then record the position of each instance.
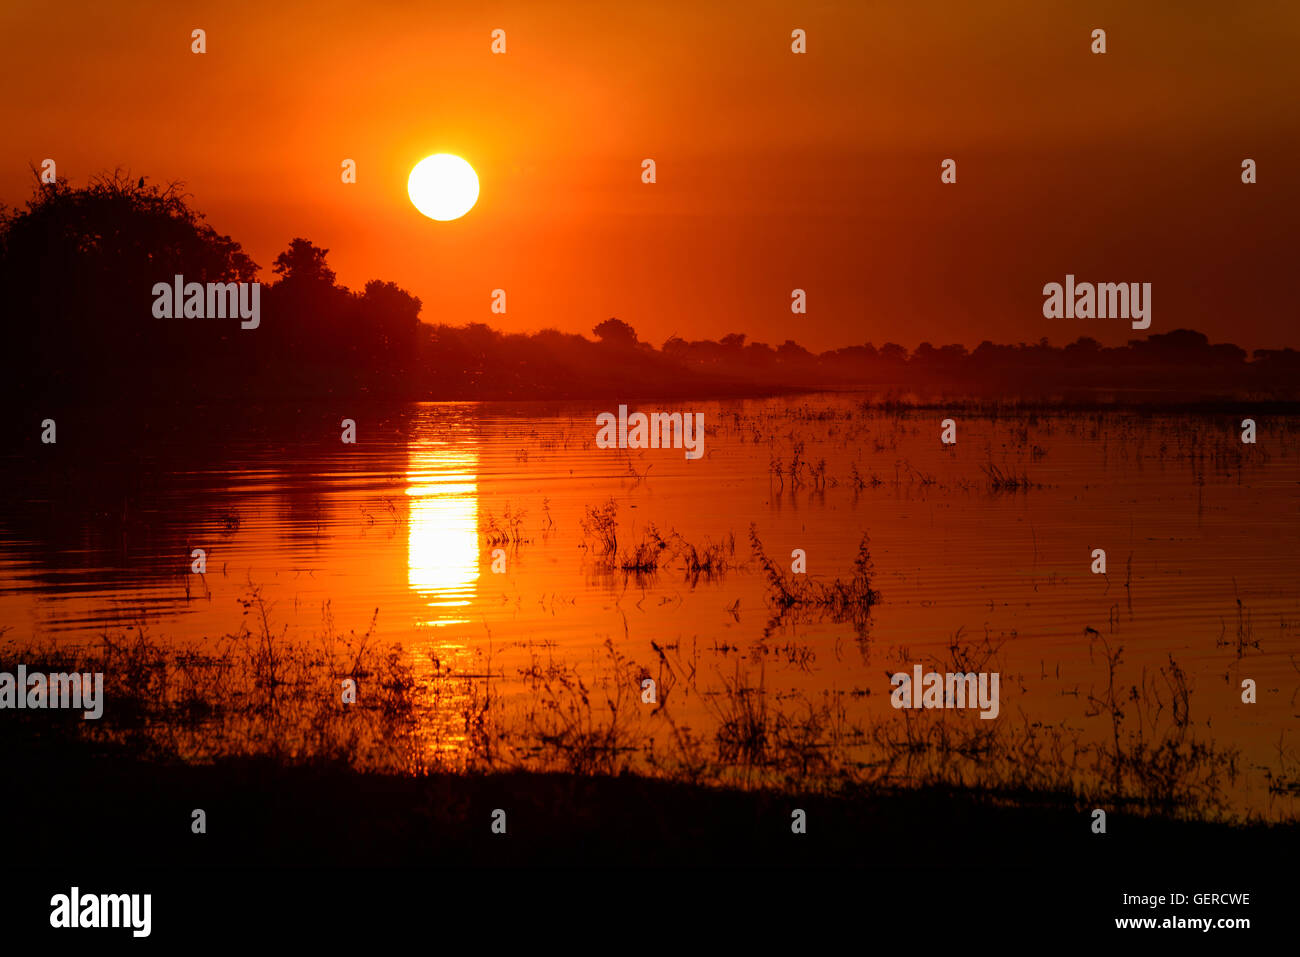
(442, 538)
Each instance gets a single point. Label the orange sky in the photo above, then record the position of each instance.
(775, 170)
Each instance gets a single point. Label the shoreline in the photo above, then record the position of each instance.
(101, 808)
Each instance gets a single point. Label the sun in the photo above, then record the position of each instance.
(443, 187)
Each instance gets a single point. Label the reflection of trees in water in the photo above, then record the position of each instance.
(123, 498)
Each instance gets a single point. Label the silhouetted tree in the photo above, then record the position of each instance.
(79, 266)
(616, 332)
(304, 262)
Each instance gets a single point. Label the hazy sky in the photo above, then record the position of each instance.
(775, 170)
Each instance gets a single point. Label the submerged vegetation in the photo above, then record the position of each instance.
(764, 695)
(256, 694)
(839, 600)
(653, 549)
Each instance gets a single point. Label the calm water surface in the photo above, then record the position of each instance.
(1202, 536)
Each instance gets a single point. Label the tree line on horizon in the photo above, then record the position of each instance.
(77, 267)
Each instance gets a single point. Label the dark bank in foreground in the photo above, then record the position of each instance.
(259, 814)
(101, 806)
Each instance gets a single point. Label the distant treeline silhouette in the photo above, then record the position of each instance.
(78, 266)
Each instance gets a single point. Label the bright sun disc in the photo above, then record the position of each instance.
(443, 187)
